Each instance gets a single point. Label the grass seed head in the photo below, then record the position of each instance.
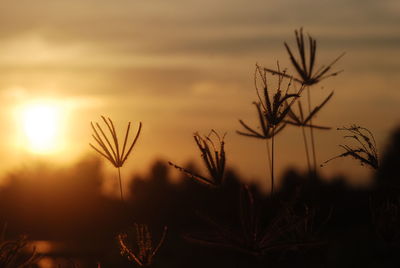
(213, 156)
(109, 147)
(301, 121)
(272, 108)
(365, 150)
(304, 63)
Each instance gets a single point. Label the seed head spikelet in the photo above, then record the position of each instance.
(214, 161)
(305, 63)
(266, 129)
(300, 120)
(273, 109)
(110, 148)
(366, 151)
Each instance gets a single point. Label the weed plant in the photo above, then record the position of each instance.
(213, 158)
(308, 75)
(365, 150)
(272, 111)
(110, 149)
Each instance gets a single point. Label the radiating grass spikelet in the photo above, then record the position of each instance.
(109, 147)
(301, 121)
(304, 64)
(273, 104)
(266, 128)
(213, 158)
(365, 151)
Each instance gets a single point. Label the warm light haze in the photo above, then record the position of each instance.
(41, 126)
(186, 66)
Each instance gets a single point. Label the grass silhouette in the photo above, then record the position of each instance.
(213, 158)
(306, 122)
(302, 224)
(308, 76)
(272, 111)
(366, 151)
(110, 149)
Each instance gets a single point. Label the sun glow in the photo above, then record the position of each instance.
(41, 127)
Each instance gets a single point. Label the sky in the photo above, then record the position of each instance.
(186, 66)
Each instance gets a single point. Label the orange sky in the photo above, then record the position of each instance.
(186, 66)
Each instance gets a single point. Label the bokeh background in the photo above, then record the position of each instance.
(185, 66)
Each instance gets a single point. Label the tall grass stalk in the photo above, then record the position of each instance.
(269, 166)
(213, 157)
(272, 159)
(272, 108)
(306, 148)
(301, 121)
(120, 184)
(110, 149)
(314, 155)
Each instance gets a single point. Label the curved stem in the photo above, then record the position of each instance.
(306, 149)
(120, 184)
(272, 160)
(268, 157)
(312, 134)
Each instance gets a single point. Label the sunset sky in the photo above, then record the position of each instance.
(186, 66)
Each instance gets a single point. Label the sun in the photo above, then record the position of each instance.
(41, 127)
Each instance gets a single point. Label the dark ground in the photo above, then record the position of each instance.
(309, 222)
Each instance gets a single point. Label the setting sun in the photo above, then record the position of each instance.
(41, 124)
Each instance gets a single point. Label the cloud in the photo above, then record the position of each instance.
(176, 24)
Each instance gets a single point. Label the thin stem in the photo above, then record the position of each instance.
(120, 184)
(306, 147)
(312, 133)
(268, 157)
(272, 160)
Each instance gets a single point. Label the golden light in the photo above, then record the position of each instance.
(41, 127)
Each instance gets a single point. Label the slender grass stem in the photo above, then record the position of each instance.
(120, 184)
(272, 159)
(306, 149)
(312, 133)
(269, 166)
(313, 150)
